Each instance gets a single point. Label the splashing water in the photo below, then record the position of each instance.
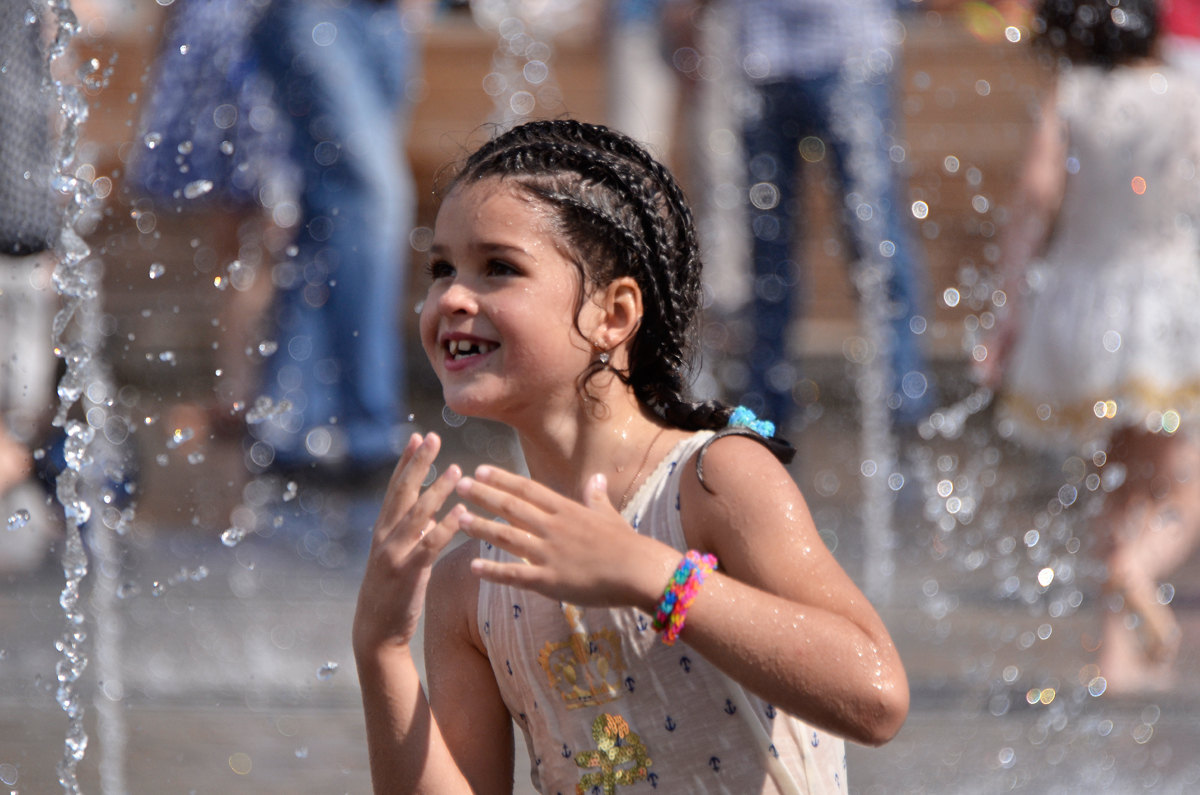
(19, 519)
(858, 122)
(522, 80)
(76, 279)
(233, 536)
(264, 409)
(326, 671)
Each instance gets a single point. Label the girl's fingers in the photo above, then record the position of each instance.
(513, 507)
(391, 495)
(512, 540)
(421, 513)
(518, 575)
(436, 537)
(406, 485)
(525, 489)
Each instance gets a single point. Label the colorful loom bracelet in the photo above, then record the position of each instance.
(680, 593)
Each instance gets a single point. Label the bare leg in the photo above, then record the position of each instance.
(1155, 526)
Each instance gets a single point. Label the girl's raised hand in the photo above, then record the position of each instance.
(582, 553)
(406, 542)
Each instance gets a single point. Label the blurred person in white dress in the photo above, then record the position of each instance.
(1099, 351)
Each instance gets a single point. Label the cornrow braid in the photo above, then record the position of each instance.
(624, 214)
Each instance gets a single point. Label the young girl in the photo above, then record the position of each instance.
(566, 287)
(1104, 356)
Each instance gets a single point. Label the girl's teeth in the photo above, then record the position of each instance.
(460, 349)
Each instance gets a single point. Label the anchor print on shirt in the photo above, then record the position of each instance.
(730, 709)
(770, 710)
(616, 746)
(686, 664)
(516, 611)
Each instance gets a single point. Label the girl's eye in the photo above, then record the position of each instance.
(439, 269)
(499, 267)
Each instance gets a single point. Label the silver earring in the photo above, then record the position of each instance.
(604, 358)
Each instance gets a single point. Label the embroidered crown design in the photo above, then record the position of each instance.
(586, 669)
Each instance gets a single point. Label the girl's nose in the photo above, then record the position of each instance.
(458, 299)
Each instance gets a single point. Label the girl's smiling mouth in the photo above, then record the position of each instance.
(463, 350)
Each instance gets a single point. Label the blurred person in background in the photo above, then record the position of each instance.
(339, 71)
(29, 221)
(1100, 348)
(792, 53)
(294, 112)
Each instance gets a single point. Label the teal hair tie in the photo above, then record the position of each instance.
(743, 417)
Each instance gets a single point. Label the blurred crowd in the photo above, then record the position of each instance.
(292, 114)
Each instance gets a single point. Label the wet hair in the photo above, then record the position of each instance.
(1098, 32)
(623, 214)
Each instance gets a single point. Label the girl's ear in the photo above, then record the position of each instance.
(620, 307)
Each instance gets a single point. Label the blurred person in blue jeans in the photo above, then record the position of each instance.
(340, 70)
(792, 53)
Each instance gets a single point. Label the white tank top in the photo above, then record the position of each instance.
(607, 707)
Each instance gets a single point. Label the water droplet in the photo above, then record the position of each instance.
(522, 103)
(128, 590)
(153, 139)
(185, 148)
(195, 458)
(157, 270)
(19, 519)
(225, 116)
(8, 773)
(453, 419)
(267, 347)
(167, 356)
(290, 493)
(157, 588)
(180, 436)
(226, 147)
(302, 753)
(240, 763)
(183, 49)
(264, 409)
(198, 188)
(232, 536)
(920, 209)
(326, 671)
(324, 33)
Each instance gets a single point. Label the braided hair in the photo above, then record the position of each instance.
(623, 214)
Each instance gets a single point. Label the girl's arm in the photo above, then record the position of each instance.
(1037, 200)
(781, 617)
(408, 749)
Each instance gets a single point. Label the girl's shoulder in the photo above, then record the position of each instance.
(729, 480)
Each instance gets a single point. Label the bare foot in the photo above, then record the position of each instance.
(16, 465)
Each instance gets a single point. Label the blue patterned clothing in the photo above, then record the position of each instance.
(787, 39)
(606, 707)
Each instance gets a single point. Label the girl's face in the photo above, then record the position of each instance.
(498, 324)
